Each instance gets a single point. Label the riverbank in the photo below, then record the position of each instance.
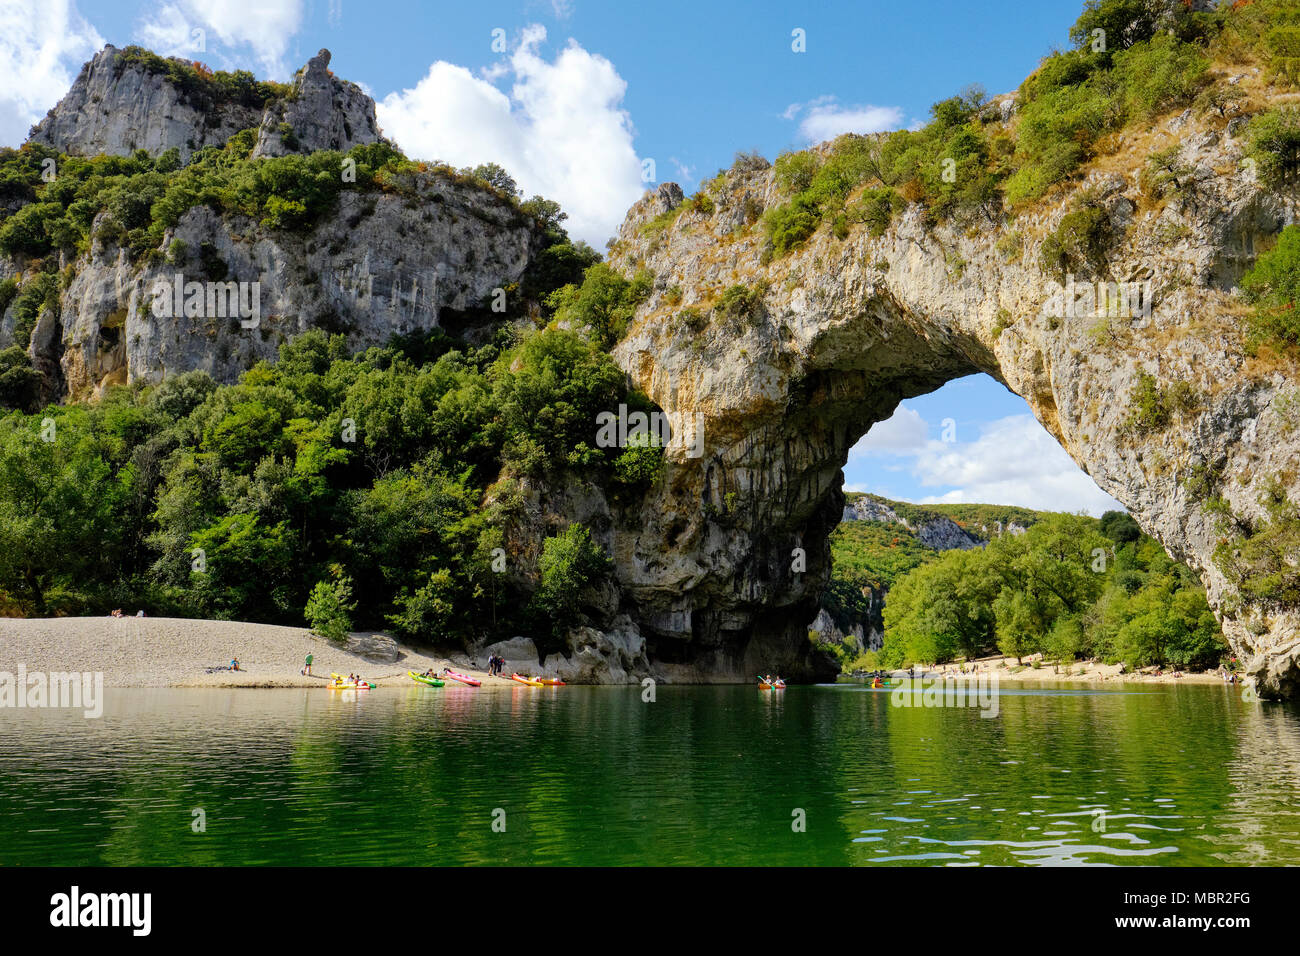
(1034, 668)
(177, 652)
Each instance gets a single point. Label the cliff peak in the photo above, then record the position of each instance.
(131, 98)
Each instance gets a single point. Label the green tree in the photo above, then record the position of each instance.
(330, 606)
(571, 564)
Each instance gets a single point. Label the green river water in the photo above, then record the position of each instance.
(1149, 775)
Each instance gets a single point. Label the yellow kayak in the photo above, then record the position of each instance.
(525, 680)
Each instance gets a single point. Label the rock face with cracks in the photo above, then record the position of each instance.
(117, 105)
(733, 552)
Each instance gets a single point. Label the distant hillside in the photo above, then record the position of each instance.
(879, 541)
(982, 521)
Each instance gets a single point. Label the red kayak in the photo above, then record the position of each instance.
(462, 678)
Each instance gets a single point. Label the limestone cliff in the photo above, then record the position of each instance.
(733, 552)
(375, 269)
(425, 252)
(939, 532)
(124, 100)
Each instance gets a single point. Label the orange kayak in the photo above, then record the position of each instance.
(525, 680)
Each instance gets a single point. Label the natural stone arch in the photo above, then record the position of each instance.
(846, 328)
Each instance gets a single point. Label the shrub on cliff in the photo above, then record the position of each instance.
(570, 565)
(1152, 408)
(36, 295)
(603, 304)
(1273, 285)
(1078, 244)
(1128, 73)
(201, 86)
(1273, 141)
(19, 383)
(1261, 560)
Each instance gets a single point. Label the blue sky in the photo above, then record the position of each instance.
(574, 96)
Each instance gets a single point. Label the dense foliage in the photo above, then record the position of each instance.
(319, 482)
(1069, 587)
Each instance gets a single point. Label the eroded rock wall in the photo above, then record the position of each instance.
(848, 327)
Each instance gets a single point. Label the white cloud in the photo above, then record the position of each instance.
(264, 27)
(42, 45)
(903, 432)
(560, 132)
(563, 9)
(1013, 462)
(824, 118)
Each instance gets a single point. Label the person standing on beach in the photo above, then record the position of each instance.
(307, 669)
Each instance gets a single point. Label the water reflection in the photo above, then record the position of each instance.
(1171, 775)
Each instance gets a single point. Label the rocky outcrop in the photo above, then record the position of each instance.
(859, 636)
(733, 553)
(116, 107)
(322, 112)
(616, 655)
(120, 103)
(379, 266)
(374, 646)
(939, 532)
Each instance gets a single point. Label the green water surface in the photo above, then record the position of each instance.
(1167, 775)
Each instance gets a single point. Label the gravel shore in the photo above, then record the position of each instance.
(176, 652)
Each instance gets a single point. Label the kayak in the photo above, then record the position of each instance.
(779, 685)
(551, 682)
(525, 680)
(462, 678)
(348, 685)
(430, 681)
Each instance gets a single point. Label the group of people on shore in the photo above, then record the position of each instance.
(496, 665)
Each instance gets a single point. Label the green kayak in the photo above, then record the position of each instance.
(431, 681)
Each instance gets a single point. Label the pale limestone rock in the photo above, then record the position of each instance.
(848, 328)
(116, 107)
(323, 112)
